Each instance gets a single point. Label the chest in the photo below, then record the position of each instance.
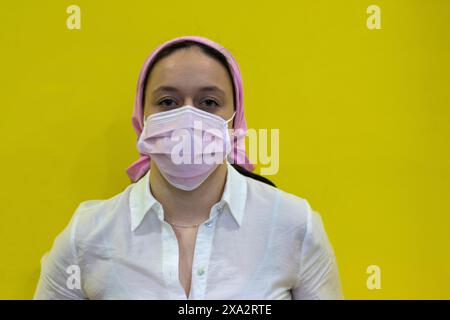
(186, 238)
(216, 261)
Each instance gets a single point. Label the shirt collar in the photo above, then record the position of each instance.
(142, 201)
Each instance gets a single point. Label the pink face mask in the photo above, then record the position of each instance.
(187, 144)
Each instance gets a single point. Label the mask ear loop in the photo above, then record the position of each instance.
(232, 117)
(228, 121)
(144, 122)
(232, 137)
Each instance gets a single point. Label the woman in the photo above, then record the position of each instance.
(191, 228)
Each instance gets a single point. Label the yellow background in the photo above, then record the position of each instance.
(363, 116)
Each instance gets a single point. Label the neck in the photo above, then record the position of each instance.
(188, 207)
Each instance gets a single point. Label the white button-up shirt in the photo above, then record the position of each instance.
(258, 243)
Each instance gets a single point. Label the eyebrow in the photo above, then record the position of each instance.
(212, 88)
(174, 89)
(164, 88)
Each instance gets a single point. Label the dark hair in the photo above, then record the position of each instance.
(252, 175)
(213, 53)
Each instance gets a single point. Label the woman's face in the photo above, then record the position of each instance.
(188, 76)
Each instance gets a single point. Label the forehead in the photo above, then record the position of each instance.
(189, 68)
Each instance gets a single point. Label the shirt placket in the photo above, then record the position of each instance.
(202, 254)
(170, 258)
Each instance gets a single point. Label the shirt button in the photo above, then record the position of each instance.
(200, 271)
(208, 224)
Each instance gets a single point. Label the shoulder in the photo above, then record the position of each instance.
(289, 208)
(93, 218)
(85, 230)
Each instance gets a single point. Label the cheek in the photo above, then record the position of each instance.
(148, 109)
(226, 112)
(146, 112)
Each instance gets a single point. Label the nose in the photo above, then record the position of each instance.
(188, 101)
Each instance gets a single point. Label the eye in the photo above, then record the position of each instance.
(167, 102)
(209, 103)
